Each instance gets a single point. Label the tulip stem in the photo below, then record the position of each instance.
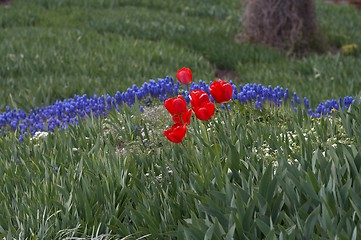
(228, 117)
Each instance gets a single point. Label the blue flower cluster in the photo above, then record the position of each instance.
(260, 95)
(69, 111)
(325, 108)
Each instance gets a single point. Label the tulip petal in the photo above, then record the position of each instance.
(176, 106)
(221, 91)
(184, 75)
(198, 98)
(205, 112)
(185, 118)
(176, 133)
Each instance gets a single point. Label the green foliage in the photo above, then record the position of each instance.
(327, 73)
(245, 174)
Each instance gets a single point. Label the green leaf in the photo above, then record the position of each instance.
(265, 181)
(209, 233)
(230, 233)
(310, 223)
(271, 235)
(264, 227)
(307, 188)
(333, 154)
(13, 103)
(313, 180)
(248, 218)
(354, 234)
(356, 202)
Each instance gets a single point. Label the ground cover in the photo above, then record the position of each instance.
(249, 172)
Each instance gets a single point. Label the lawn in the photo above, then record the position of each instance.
(100, 166)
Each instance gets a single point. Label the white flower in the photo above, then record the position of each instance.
(159, 177)
(39, 135)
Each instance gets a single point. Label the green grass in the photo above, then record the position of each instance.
(53, 50)
(83, 62)
(245, 174)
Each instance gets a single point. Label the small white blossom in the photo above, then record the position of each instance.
(39, 135)
(159, 177)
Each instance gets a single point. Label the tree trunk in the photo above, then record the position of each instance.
(286, 24)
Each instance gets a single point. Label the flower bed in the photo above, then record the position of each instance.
(70, 111)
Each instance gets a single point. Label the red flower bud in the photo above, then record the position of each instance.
(176, 133)
(184, 75)
(221, 91)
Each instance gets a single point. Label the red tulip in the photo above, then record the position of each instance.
(176, 133)
(185, 118)
(184, 75)
(204, 112)
(221, 91)
(176, 105)
(201, 105)
(198, 97)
